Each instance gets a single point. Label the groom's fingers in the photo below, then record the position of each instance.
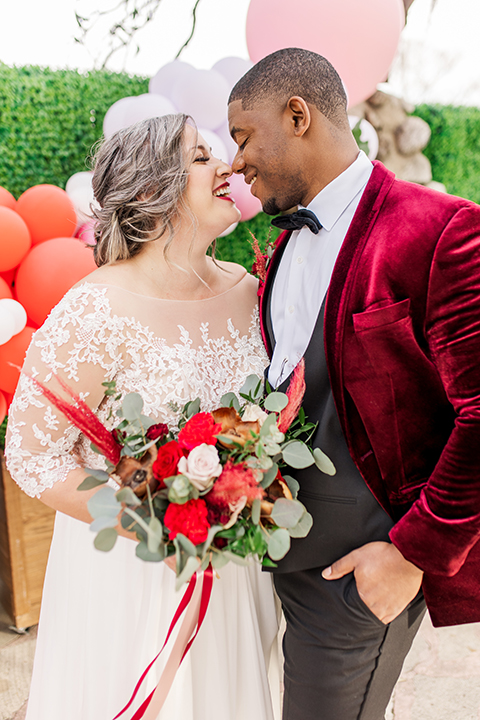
(341, 567)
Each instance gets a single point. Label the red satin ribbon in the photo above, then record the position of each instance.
(203, 606)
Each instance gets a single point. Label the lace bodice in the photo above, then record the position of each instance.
(168, 351)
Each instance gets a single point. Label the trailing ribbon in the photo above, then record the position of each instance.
(195, 601)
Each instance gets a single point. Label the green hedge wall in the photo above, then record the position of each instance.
(49, 121)
(454, 149)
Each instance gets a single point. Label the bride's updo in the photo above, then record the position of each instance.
(139, 179)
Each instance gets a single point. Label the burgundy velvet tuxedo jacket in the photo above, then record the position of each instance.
(402, 341)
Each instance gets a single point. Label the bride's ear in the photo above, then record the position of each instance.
(299, 115)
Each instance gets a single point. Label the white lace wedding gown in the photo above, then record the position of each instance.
(105, 615)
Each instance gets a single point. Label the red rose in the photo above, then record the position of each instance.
(201, 428)
(190, 519)
(166, 462)
(159, 430)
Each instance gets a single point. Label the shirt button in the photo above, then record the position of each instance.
(299, 260)
(291, 309)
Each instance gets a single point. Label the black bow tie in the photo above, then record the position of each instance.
(297, 220)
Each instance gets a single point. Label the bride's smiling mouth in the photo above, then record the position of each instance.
(223, 192)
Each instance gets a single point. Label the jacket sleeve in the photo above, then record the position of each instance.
(446, 516)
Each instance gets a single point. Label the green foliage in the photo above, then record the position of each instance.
(454, 149)
(3, 430)
(237, 247)
(49, 120)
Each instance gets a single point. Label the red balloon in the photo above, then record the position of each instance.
(5, 289)
(12, 354)
(3, 407)
(48, 212)
(7, 199)
(15, 241)
(48, 271)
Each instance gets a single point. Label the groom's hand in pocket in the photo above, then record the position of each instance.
(386, 581)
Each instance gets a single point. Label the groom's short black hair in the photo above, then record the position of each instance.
(294, 71)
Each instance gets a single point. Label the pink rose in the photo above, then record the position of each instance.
(201, 466)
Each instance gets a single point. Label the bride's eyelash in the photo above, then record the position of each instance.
(202, 159)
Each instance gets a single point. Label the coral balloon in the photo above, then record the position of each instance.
(7, 199)
(5, 289)
(203, 95)
(359, 38)
(15, 240)
(3, 407)
(13, 354)
(170, 75)
(48, 212)
(247, 203)
(48, 271)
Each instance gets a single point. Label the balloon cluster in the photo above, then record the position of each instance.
(39, 261)
(203, 94)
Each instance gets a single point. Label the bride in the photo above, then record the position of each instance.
(162, 318)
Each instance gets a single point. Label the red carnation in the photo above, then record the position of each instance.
(235, 482)
(201, 428)
(159, 430)
(166, 462)
(190, 519)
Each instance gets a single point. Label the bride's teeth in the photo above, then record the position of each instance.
(221, 191)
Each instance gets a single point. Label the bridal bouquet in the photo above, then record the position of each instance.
(214, 491)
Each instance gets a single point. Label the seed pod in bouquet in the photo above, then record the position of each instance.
(277, 489)
(137, 473)
(234, 430)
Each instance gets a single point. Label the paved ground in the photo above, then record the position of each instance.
(440, 680)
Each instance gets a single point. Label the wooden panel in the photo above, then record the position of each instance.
(26, 527)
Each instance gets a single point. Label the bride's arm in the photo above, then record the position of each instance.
(77, 343)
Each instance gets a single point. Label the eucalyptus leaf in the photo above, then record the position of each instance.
(132, 406)
(219, 560)
(154, 535)
(286, 513)
(211, 534)
(323, 462)
(303, 527)
(106, 539)
(186, 545)
(269, 476)
(279, 544)
(293, 485)
(252, 387)
(98, 474)
(144, 553)
(256, 507)
(297, 455)
(230, 400)
(269, 422)
(127, 496)
(237, 559)
(192, 408)
(191, 566)
(103, 522)
(104, 503)
(276, 402)
(91, 482)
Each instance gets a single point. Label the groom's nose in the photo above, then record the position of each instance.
(238, 164)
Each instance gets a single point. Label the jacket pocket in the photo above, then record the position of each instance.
(370, 319)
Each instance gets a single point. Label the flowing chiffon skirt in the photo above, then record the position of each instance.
(105, 616)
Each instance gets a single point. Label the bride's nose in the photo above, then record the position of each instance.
(224, 169)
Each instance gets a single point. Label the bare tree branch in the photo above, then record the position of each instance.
(194, 23)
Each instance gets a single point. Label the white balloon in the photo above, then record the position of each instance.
(114, 119)
(82, 198)
(232, 68)
(203, 95)
(143, 107)
(7, 325)
(230, 229)
(368, 134)
(163, 82)
(224, 134)
(78, 180)
(17, 312)
(218, 146)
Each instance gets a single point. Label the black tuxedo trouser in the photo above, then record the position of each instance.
(341, 661)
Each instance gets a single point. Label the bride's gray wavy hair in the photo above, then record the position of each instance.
(139, 179)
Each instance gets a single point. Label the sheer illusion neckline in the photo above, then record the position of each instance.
(163, 300)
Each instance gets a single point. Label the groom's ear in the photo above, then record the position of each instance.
(298, 115)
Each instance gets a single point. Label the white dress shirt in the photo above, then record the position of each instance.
(306, 267)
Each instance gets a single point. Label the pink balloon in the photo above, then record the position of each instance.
(359, 38)
(203, 95)
(232, 68)
(247, 203)
(86, 233)
(170, 75)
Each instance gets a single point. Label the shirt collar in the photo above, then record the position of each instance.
(333, 200)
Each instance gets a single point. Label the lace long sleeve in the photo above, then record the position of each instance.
(81, 343)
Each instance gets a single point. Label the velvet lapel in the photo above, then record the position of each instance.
(343, 277)
(280, 245)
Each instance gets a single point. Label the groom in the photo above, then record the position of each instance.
(377, 286)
